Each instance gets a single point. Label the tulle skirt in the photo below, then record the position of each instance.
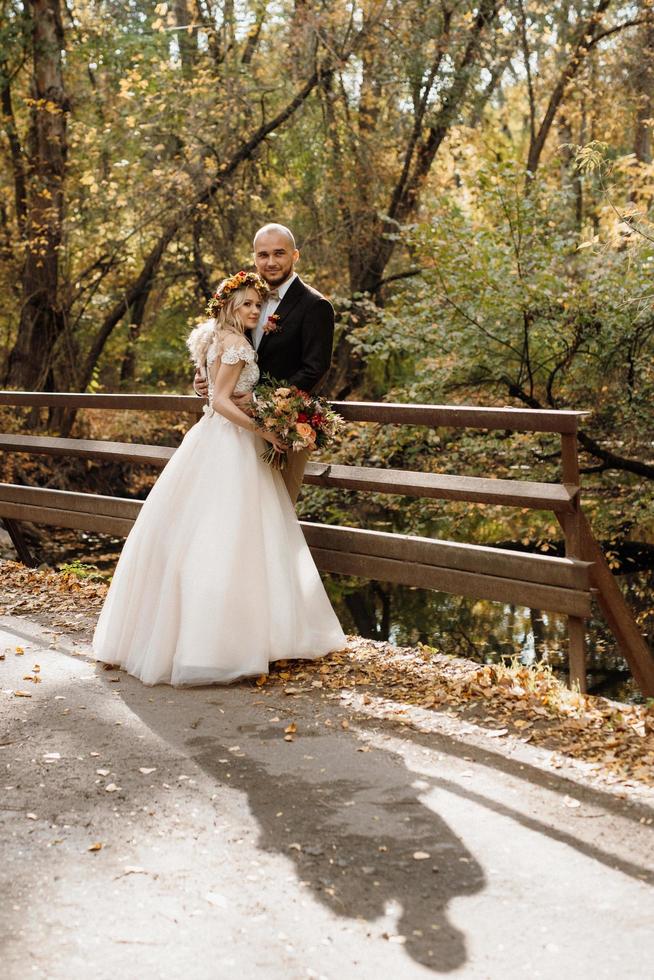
(215, 580)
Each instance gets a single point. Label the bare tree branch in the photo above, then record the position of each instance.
(610, 460)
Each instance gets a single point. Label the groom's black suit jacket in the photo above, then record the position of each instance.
(300, 350)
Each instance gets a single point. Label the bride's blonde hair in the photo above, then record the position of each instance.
(226, 318)
(222, 308)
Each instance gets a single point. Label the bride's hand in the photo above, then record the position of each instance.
(280, 446)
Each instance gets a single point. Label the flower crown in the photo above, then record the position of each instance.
(240, 281)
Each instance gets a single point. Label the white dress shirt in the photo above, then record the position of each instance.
(269, 308)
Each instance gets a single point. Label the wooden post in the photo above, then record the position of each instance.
(577, 653)
(569, 459)
(617, 613)
(19, 543)
(572, 532)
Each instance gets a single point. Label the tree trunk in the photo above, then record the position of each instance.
(137, 313)
(570, 176)
(42, 319)
(644, 87)
(586, 37)
(373, 237)
(187, 40)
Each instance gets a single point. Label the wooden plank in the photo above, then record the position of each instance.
(81, 503)
(141, 403)
(66, 518)
(568, 601)
(544, 569)
(88, 449)
(461, 416)
(115, 516)
(442, 486)
(617, 613)
(453, 416)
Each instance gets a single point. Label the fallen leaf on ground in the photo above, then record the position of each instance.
(132, 869)
(215, 898)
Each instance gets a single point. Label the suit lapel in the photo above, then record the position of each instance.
(291, 298)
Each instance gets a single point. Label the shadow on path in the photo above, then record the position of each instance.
(351, 822)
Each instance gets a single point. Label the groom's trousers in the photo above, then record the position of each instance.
(293, 473)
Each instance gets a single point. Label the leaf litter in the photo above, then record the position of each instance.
(527, 702)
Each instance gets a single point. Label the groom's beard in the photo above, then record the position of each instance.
(278, 278)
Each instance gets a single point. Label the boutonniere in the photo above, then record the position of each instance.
(272, 324)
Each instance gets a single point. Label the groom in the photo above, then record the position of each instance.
(295, 333)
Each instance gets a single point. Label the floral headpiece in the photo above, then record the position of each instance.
(226, 288)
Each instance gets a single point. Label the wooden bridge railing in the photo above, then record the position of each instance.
(561, 585)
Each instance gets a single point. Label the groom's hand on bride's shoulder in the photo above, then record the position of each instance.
(200, 385)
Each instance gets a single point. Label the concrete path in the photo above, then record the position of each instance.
(355, 847)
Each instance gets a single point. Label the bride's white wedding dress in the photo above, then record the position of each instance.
(215, 580)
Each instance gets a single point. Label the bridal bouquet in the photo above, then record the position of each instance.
(299, 419)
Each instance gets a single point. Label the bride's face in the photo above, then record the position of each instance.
(249, 310)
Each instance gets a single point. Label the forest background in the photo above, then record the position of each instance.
(471, 186)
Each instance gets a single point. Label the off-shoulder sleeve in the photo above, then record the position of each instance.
(234, 353)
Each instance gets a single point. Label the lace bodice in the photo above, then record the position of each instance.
(231, 349)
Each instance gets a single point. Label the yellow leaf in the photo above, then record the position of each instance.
(290, 729)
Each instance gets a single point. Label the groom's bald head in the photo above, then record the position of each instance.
(277, 230)
(275, 253)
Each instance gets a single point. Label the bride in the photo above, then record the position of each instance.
(215, 580)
